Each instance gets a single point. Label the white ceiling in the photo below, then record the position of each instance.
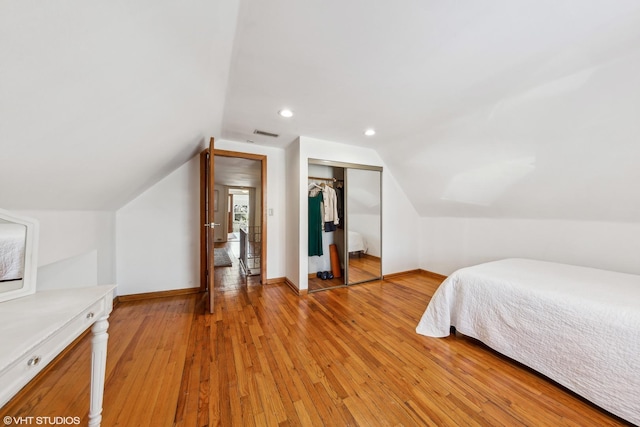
(492, 108)
(100, 100)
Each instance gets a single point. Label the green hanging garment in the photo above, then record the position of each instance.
(315, 225)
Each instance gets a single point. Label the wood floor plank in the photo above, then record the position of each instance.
(268, 357)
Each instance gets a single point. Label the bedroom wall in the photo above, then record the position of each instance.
(75, 272)
(451, 243)
(293, 251)
(157, 235)
(158, 240)
(75, 247)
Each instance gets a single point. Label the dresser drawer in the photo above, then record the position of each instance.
(25, 368)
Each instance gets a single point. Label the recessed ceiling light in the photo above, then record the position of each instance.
(286, 113)
(369, 132)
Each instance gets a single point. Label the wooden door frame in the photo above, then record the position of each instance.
(203, 219)
(263, 214)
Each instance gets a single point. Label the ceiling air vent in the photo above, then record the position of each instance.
(261, 132)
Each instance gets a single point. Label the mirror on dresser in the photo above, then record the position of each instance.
(18, 250)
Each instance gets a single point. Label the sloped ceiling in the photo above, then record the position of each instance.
(491, 108)
(100, 100)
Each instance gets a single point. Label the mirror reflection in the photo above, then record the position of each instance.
(364, 238)
(13, 238)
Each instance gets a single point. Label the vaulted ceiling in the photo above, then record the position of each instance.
(490, 108)
(100, 100)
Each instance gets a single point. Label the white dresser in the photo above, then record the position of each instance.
(36, 328)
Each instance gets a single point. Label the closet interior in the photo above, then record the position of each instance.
(345, 224)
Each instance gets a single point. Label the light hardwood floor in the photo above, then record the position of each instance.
(348, 356)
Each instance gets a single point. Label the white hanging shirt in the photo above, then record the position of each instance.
(330, 205)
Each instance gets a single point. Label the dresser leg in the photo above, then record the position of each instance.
(98, 368)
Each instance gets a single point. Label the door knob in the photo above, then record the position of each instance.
(211, 225)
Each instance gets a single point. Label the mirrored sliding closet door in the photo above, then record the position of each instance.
(364, 225)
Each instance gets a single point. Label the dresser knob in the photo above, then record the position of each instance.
(90, 315)
(34, 361)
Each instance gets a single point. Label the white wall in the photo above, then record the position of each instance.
(400, 220)
(294, 247)
(451, 243)
(158, 235)
(75, 272)
(400, 223)
(86, 236)
(323, 262)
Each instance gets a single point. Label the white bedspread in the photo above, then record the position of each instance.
(356, 242)
(578, 326)
(12, 241)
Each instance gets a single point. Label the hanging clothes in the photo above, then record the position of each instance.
(314, 189)
(330, 205)
(315, 225)
(329, 227)
(340, 205)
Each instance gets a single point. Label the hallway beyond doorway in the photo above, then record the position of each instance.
(232, 278)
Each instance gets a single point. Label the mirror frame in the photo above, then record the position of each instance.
(30, 255)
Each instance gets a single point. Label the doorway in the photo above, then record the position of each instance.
(239, 204)
(240, 214)
(239, 209)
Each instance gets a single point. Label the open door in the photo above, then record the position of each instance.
(207, 214)
(210, 225)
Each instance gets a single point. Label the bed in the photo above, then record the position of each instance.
(578, 326)
(356, 243)
(12, 247)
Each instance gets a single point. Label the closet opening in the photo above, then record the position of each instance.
(345, 226)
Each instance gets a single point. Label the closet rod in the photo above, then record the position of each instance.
(326, 179)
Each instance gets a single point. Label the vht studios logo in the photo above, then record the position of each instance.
(41, 421)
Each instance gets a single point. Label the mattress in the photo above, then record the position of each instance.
(12, 247)
(356, 242)
(578, 326)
